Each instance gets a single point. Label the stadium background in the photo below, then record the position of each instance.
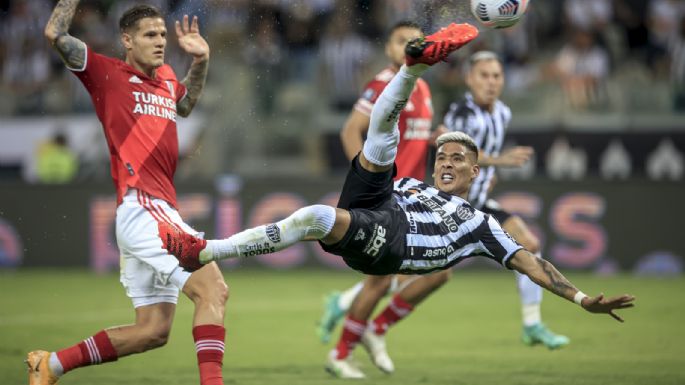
(604, 190)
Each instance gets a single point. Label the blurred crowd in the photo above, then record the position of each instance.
(335, 44)
(285, 73)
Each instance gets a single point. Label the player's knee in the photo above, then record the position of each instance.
(316, 220)
(151, 336)
(214, 292)
(156, 338)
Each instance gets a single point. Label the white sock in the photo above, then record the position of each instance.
(311, 222)
(531, 314)
(55, 365)
(348, 296)
(380, 147)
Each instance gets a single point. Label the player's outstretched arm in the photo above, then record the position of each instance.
(70, 49)
(546, 275)
(193, 43)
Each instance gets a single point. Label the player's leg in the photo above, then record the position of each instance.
(412, 290)
(380, 147)
(534, 331)
(151, 330)
(362, 307)
(336, 304)
(317, 222)
(405, 300)
(146, 274)
(208, 291)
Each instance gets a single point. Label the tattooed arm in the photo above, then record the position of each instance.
(71, 49)
(190, 40)
(546, 275)
(194, 82)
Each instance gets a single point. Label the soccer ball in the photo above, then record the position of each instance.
(498, 13)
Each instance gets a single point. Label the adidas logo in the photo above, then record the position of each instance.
(135, 79)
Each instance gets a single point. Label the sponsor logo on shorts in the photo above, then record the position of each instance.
(465, 212)
(361, 235)
(377, 241)
(438, 209)
(273, 232)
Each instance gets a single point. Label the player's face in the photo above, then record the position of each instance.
(145, 44)
(486, 80)
(455, 168)
(394, 47)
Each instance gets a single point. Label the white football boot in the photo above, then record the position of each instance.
(344, 368)
(375, 345)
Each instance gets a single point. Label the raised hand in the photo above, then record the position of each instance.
(190, 40)
(516, 156)
(599, 304)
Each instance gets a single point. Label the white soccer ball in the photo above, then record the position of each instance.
(498, 13)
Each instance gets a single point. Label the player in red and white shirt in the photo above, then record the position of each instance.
(359, 301)
(137, 100)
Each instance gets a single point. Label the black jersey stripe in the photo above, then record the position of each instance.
(403, 182)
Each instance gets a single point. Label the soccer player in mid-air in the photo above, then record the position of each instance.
(485, 119)
(408, 226)
(137, 101)
(359, 301)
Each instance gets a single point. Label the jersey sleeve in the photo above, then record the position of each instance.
(368, 98)
(498, 244)
(94, 72)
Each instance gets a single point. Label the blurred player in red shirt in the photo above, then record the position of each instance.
(137, 101)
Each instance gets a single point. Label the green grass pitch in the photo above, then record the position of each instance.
(467, 333)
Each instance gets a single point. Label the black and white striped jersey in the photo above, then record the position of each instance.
(444, 229)
(487, 129)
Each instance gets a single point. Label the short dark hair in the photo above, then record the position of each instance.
(458, 137)
(403, 24)
(130, 18)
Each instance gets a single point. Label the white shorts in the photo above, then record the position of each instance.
(148, 272)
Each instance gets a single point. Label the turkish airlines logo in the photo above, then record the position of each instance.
(155, 105)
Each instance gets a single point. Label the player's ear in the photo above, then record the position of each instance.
(126, 40)
(475, 171)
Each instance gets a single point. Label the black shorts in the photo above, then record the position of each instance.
(376, 239)
(493, 208)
